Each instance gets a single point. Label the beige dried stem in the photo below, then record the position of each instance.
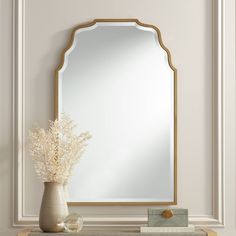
(55, 151)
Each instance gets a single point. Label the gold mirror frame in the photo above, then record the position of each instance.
(56, 103)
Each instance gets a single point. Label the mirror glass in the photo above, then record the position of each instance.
(117, 82)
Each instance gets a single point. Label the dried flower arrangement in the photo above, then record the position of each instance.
(55, 151)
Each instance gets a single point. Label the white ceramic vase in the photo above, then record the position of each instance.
(53, 209)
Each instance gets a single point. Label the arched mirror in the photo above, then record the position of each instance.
(116, 80)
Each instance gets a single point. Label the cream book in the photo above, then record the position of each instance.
(146, 229)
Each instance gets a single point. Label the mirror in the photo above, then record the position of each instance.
(116, 80)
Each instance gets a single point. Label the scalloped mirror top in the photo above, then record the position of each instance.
(117, 82)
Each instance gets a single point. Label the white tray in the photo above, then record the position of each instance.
(146, 229)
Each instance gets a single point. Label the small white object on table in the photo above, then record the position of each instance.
(148, 229)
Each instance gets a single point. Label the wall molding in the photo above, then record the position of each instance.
(217, 219)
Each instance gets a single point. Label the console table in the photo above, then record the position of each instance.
(198, 232)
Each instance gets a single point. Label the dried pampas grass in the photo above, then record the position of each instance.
(55, 151)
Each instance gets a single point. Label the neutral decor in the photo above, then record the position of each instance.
(116, 77)
(54, 152)
(212, 214)
(73, 223)
(167, 217)
(53, 208)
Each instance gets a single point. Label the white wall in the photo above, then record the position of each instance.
(186, 30)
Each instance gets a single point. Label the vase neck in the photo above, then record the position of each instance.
(52, 184)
